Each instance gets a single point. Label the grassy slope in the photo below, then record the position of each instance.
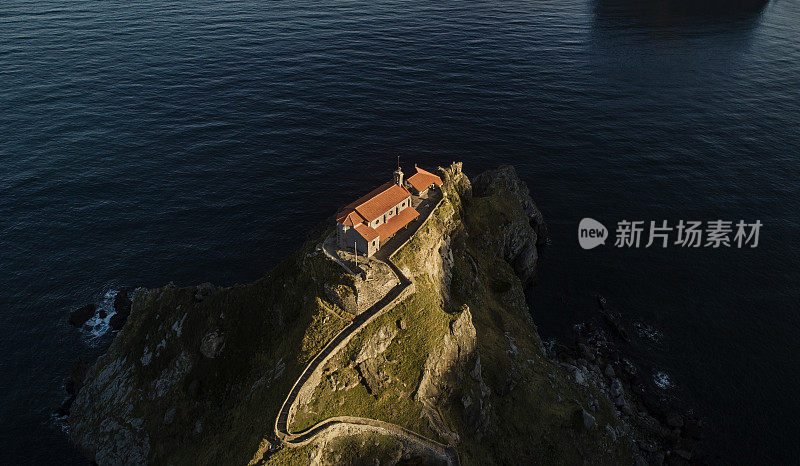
(282, 317)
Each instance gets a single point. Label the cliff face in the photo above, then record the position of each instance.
(525, 229)
(198, 375)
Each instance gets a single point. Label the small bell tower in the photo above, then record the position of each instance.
(398, 174)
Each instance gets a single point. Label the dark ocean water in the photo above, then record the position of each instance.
(148, 142)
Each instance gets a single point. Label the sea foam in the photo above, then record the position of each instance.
(98, 326)
(662, 380)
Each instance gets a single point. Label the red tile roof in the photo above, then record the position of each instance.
(374, 204)
(351, 219)
(366, 232)
(397, 222)
(422, 179)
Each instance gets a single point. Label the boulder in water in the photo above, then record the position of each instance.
(79, 316)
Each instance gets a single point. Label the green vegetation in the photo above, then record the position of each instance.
(426, 322)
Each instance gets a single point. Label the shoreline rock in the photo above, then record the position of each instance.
(122, 307)
(81, 315)
(658, 431)
(522, 237)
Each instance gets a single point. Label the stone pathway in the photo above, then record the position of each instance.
(314, 368)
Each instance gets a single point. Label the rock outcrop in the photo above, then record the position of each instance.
(122, 308)
(105, 426)
(213, 344)
(370, 360)
(526, 230)
(376, 344)
(449, 359)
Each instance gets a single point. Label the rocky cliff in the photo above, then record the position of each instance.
(197, 375)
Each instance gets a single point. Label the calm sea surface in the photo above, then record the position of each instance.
(144, 142)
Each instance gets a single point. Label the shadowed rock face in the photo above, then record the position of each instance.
(520, 237)
(122, 307)
(104, 426)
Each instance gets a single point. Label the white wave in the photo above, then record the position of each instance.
(60, 422)
(98, 326)
(662, 380)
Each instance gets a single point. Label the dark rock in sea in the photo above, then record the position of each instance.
(694, 429)
(611, 318)
(79, 316)
(63, 410)
(69, 386)
(680, 454)
(616, 388)
(122, 303)
(648, 445)
(117, 321)
(602, 302)
(103, 314)
(74, 383)
(169, 416)
(122, 306)
(194, 389)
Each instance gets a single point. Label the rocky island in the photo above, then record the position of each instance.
(425, 354)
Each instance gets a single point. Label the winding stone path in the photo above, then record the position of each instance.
(295, 439)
